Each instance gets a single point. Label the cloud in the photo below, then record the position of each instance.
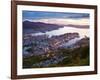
(68, 21)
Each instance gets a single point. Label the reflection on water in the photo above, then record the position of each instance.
(82, 31)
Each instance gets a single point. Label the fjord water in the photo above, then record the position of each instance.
(66, 29)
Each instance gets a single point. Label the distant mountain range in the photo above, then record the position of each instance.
(78, 26)
(35, 27)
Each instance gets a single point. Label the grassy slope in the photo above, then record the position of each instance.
(76, 57)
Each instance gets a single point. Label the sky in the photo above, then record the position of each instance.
(61, 18)
(36, 15)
